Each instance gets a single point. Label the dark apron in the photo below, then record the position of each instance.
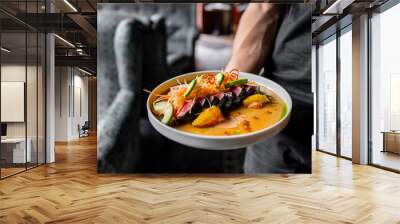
(289, 65)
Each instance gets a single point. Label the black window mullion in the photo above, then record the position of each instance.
(369, 100)
(37, 90)
(26, 86)
(338, 100)
(317, 97)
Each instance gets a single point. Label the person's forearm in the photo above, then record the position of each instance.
(254, 37)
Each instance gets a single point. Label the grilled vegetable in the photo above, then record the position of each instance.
(159, 107)
(239, 94)
(203, 102)
(219, 78)
(255, 101)
(168, 113)
(237, 82)
(250, 90)
(208, 117)
(190, 88)
(214, 100)
(196, 109)
(226, 102)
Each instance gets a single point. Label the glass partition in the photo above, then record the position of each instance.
(22, 77)
(31, 99)
(32, 90)
(326, 59)
(14, 151)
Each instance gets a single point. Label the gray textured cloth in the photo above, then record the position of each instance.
(132, 55)
(118, 147)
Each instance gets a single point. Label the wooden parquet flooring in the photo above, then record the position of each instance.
(71, 191)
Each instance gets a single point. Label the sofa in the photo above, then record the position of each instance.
(128, 47)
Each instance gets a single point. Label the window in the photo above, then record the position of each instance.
(326, 60)
(385, 88)
(346, 92)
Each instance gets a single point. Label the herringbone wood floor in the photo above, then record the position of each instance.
(70, 191)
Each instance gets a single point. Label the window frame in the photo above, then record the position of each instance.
(333, 37)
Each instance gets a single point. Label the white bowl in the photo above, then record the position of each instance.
(219, 142)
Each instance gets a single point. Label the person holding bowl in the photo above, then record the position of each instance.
(277, 39)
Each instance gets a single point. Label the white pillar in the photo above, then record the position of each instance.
(360, 90)
(50, 99)
(50, 92)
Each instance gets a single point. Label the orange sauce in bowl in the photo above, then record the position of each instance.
(243, 120)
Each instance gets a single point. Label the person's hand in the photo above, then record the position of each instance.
(254, 37)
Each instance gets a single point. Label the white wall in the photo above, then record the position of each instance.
(33, 126)
(13, 101)
(61, 103)
(14, 72)
(71, 102)
(81, 82)
(79, 103)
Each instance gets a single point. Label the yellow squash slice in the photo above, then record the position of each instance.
(209, 117)
(256, 101)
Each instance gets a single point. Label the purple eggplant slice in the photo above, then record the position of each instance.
(240, 94)
(226, 103)
(250, 90)
(202, 102)
(213, 100)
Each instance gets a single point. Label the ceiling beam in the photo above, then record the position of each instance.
(337, 7)
(86, 27)
(81, 61)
